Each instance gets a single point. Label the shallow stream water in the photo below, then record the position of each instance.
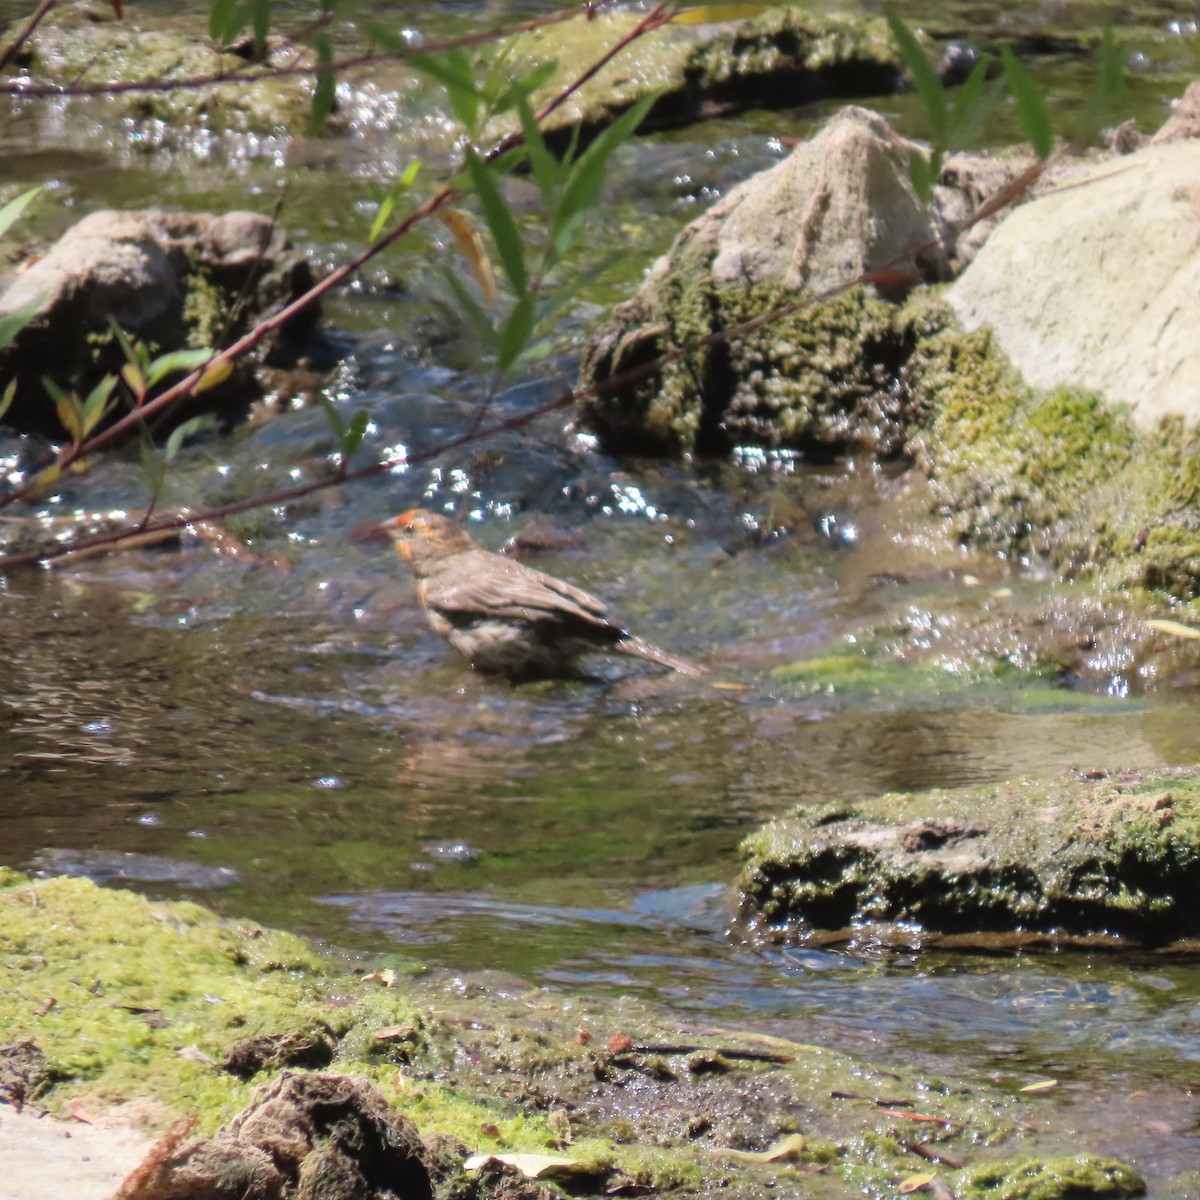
(277, 734)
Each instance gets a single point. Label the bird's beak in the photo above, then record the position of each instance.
(395, 528)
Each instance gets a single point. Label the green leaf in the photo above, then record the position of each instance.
(336, 424)
(924, 172)
(96, 407)
(480, 321)
(500, 221)
(221, 17)
(1031, 105)
(185, 430)
(969, 108)
(14, 208)
(1106, 96)
(177, 360)
(519, 90)
(452, 69)
(15, 321)
(586, 176)
(355, 432)
(516, 332)
(10, 394)
(69, 410)
(325, 89)
(928, 86)
(388, 204)
(548, 172)
(383, 36)
(262, 25)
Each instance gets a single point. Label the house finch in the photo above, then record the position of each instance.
(504, 617)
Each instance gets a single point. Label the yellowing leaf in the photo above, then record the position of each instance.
(136, 381)
(1043, 1085)
(470, 245)
(70, 415)
(46, 479)
(1176, 628)
(914, 1183)
(532, 1166)
(216, 374)
(788, 1147)
(707, 14)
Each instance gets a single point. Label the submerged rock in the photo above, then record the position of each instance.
(171, 280)
(1062, 858)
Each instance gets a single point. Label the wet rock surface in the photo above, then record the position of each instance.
(327, 1137)
(1072, 857)
(175, 280)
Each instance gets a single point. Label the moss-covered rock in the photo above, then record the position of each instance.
(780, 59)
(1065, 857)
(73, 47)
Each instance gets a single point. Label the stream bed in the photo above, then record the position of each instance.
(275, 733)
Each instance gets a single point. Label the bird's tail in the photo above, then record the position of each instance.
(643, 649)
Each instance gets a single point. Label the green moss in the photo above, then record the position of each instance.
(1056, 856)
(63, 52)
(1066, 1178)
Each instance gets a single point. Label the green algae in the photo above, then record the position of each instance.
(1050, 1179)
(1060, 857)
(149, 997)
(65, 50)
(783, 57)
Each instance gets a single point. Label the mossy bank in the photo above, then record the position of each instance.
(109, 997)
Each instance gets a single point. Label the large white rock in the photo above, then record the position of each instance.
(1097, 284)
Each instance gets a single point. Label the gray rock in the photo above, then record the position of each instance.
(1094, 286)
(173, 280)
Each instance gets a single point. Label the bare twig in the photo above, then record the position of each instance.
(14, 48)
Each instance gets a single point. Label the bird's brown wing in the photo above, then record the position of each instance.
(480, 583)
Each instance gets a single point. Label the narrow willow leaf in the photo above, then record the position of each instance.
(970, 107)
(1175, 628)
(221, 15)
(471, 246)
(46, 478)
(213, 377)
(453, 70)
(325, 89)
(928, 86)
(262, 25)
(16, 320)
(548, 172)
(184, 431)
(383, 36)
(336, 424)
(96, 406)
(586, 176)
(135, 381)
(521, 89)
(708, 14)
(480, 322)
(14, 208)
(516, 332)
(924, 171)
(1106, 96)
(70, 415)
(498, 215)
(176, 361)
(1043, 1085)
(10, 394)
(355, 432)
(1031, 105)
(388, 204)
